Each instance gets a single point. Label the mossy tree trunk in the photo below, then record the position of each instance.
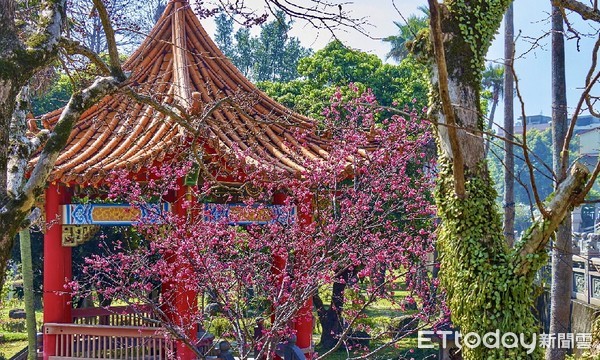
(22, 54)
(489, 285)
(19, 60)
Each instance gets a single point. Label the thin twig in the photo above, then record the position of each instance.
(73, 47)
(590, 82)
(536, 195)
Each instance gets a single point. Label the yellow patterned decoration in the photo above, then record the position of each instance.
(73, 235)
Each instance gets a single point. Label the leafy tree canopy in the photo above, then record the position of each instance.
(273, 55)
(335, 66)
(540, 144)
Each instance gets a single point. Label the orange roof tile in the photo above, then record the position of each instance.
(177, 60)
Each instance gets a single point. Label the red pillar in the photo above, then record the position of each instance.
(303, 322)
(57, 270)
(186, 301)
(278, 262)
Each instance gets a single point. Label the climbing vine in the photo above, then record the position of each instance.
(484, 294)
(478, 22)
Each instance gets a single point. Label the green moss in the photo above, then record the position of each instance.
(36, 40)
(9, 68)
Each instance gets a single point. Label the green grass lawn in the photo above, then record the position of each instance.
(13, 342)
(406, 349)
(378, 315)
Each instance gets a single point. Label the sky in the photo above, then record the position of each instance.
(532, 64)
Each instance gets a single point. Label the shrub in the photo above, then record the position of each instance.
(13, 325)
(10, 337)
(219, 326)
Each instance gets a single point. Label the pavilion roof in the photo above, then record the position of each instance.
(177, 63)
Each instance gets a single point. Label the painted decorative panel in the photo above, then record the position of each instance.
(579, 282)
(111, 214)
(596, 287)
(240, 214)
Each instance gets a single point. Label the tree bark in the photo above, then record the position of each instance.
(331, 318)
(509, 121)
(562, 259)
(27, 268)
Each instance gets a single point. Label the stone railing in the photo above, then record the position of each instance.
(586, 268)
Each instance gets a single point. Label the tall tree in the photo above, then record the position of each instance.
(276, 55)
(493, 84)
(243, 57)
(509, 124)
(489, 285)
(562, 258)
(269, 53)
(273, 55)
(224, 34)
(407, 33)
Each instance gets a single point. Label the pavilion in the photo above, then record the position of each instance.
(177, 64)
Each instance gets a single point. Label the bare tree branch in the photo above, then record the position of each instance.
(586, 12)
(113, 53)
(73, 47)
(536, 194)
(563, 200)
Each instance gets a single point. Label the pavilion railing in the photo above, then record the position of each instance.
(75, 341)
(115, 316)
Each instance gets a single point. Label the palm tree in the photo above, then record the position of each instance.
(407, 32)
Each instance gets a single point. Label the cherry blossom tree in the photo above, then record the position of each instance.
(363, 224)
